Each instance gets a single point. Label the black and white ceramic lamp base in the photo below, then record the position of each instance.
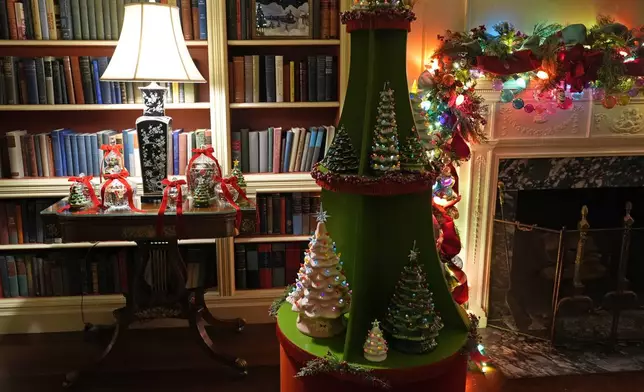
(153, 132)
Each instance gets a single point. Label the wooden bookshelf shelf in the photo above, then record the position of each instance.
(73, 43)
(280, 182)
(260, 293)
(259, 239)
(284, 105)
(81, 245)
(285, 42)
(124, 106)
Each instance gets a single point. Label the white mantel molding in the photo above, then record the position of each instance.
(588, 129)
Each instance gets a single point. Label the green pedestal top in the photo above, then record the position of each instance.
(449, 342)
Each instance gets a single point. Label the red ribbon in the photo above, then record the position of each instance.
(197, 152)
(450, 246)
(580, 66)
(232, 181)
(518, 62)
(86, 180)
(634, 68)
(128, 189)
(117, 148)
(164, 202)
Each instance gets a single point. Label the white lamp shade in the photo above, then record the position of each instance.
(151, 47)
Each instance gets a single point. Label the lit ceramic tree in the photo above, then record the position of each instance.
(375, 347)
(384, 150)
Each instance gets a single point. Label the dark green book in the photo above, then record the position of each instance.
(29, 19)
(40, 80)
(91, 19)
(58, 86)
(98, 12)
(120, 13)
(77, 30)
(245, 162)
(114, 19)
(63, 82)
(83, 17)
(65, 9)
(107, 23)
(86, 79)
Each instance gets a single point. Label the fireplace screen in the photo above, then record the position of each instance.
(568, 285)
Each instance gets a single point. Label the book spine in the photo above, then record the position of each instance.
(245, 162)
(11, 80)
(50, 156)
(4, 21)
(277, 144)
(120, 15)
(292, 261)
(69, 80)
(49, 79)
(114, 19)
(299, 152)
(203, 20)
(309, 146)
(279, 78)
(238, 74)
(31, 289)
(29, 65)
(69, 160)
(248, 79)
(303, 82)
(325, 19)
(306, 211)
(4, 278)
(99, 20)
(20, 20)
(11, 19)
(183, 153)
(31, 156)
(44, 23)
(231, 20)
(21, 275)
(256, 79)
(334, 14)
(317, 148)
(41, 88)
(66, 19)
(57, 81)
(96, 82)
(312, 76)
(14, 146)
(286, 156)
(286, 77)
(269, 214)
(297, 213)
(75, 154)
(39, 161)
(41, 150)
(278, 264)
(194, 14)
(263, 151)
(35, 15)
(81, 153)
(29, 19)
(107, 22)
(253, 152)
(51, 19)
(269, 70)
(77, 30)
(265, 270)
(74, 79)
(86, 79)
(12, 224)
(12, 274)
(321, 78)
(4, 226)
(238, 19)
(92, 23)
(277, 213)
(186, 19)
(240, 267)
(58, 162)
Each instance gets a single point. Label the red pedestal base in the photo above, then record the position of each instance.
(446, 376)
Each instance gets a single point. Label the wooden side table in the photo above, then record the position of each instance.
(158, 276)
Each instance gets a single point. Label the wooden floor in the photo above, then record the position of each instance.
(169, 360)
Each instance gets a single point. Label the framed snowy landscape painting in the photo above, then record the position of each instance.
(282, 19)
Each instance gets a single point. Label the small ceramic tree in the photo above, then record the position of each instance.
(341, 157)
(201, 196)
(375, 347)
(384, 149)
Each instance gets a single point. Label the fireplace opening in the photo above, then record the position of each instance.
(591, 298)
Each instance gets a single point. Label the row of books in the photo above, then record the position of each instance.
(20, 221)
(86, 19)
(323, 25)
(63, 152)
(286, 213)
(275, 150)
(72, 80)
(105, 271)
(263, 266)
(270, 78)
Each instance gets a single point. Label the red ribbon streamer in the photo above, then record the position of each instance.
(232, 181)
(164, 202)
(128, 189)
(580, 66)
(197, 152)
(86, 180)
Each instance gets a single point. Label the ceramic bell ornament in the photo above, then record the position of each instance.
(112, 159)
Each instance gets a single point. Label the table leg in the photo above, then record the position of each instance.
(123, 321)
(198, 327)
(200, 301)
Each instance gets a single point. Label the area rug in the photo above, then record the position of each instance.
(518, 356)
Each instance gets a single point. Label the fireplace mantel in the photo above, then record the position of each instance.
(588, 129)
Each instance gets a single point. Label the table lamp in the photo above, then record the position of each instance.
(151, 49)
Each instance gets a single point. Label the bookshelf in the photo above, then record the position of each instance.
(213, 110)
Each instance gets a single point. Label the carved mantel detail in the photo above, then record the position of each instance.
(629, 122)
(509, 124)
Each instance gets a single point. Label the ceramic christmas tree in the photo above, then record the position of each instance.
(375, 347)
(412, 155)
(384, 149)
(412, 323)
(237, 173)
(341, 157)
(322, 293)
(201, 194)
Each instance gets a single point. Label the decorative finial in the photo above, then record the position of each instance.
(322, 216)
(236, 162)
(375, 324)
(413, 253)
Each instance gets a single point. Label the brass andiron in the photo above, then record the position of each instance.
(583, 227)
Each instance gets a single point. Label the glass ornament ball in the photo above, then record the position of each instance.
(220, 193)
(599, 94)
(529, 108)
(624, 100)
(497, 84)
(507, 96)
(539, 109)
(518, 104)
(639, 82)
(115, 196)
(425, 80)
(609, 102)
(426, 105)
(448, 80)
(633, 92)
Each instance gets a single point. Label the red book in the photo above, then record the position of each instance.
(277, 149)
(325, 18)
(31, 149)
(4, 226)
(50, 156)
(282, 214)
(12, 226)
(186, 19)
(195, 19)
(333, 19)
(77, 81)
(265, 270)
(239, 21)
(293, 261)
(231, 82)
(69, 80)
(238, 73)
(11, 14)
(21, 238)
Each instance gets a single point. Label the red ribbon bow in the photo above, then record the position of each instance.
(518, 62)
(128, 189)
(169, 184)
(580, 66)
(112, 147)
(232, 181)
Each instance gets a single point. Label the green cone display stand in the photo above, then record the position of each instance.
(374, 234)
